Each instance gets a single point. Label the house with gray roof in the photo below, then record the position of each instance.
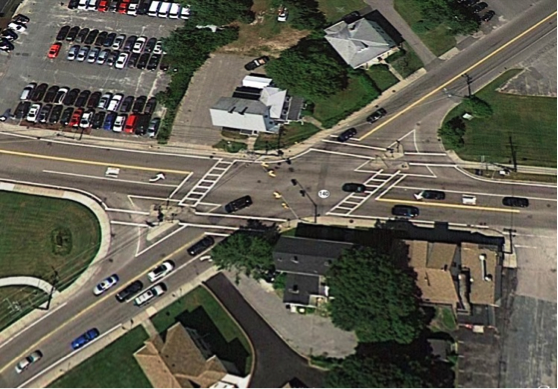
(361, 43)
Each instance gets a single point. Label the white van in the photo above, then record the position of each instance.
(153, 8)
(174, 11)
(164, 9)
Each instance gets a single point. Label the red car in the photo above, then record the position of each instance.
(123, 7)
(76, 117)
(54, 50)
(103, 6)
(131, 122)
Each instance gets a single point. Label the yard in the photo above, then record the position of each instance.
(526, 122)
(230, 146)
(42, 237)
(438, 40)
(112, 367)
(200, 311)
(405, 61)
(336, 9)
(382, 77)
(291, 134)
(444, 321)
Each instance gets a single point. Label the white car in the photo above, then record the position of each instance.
(104, 101)
(28, 361)
(119, 123)
(92, 5)
(82, 53)
(158, 49)
(105, 285)
(72, 53)
(139, 45)
(86, 118)
(121, 61)
(92, 57)
(33, 113)
(115, 102)
(118, 41)
(160, 271)
(59, 98)
(17, 27)
(83, 4)
(132, 9)
(150, 294)
(185, 12)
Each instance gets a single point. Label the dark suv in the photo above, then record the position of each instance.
(430, 195)
(201, 246)
(347, 134)
(405, 211)
(129, 291)
(238, 204)
(519, 202)
(377, 115)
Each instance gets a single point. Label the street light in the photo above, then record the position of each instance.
(304, 193)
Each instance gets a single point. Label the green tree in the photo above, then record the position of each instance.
(452, 133)
(310, 70)
(478, 107)
(218, 12)
(374, 297)
(245, 253)
(304, 14)
(459, 18)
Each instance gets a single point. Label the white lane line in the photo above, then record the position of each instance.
(503, 182)
(427, 154)
(217, 234)
(400, 139)
(521, 246)
(476, 193)
(33, 324)
(106, 178)
(433, 164)
(159, 241)
(340, 153)
(119, 223)
(355, 145)
(208, 226)
(127, 211)
(415, 139)
(271, 219)
(153, 198)
(180, 185)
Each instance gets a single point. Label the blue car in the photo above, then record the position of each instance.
(109, 121)
(82, 340)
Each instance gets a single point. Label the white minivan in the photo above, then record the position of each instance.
(164, 9)
(153, 8)
(174, 11)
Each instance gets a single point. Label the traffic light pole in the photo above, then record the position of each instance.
(304, 193)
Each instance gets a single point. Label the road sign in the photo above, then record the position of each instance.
(323, 194)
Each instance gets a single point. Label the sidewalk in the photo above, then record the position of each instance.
(487, 166)
(63, 296)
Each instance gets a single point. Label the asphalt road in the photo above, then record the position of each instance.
(130, 196)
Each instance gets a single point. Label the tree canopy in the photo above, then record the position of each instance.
(218, 12)
(309, 69)
(303, 14)
(459, 18)
(245, 253)
(374, 297)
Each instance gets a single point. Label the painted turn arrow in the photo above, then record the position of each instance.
(159, 176)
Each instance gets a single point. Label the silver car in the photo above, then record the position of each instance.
(92, 57)
(104, 101)
(72, 53)
(28, 361)
(121, 61)
(103, 55)
(118, 41)
(82, 54)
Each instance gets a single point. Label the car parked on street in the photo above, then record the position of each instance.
(29, 360)
(129, 291)
(346, 135)
(160, 271)
(87, 337)
(405, 211)
(202, 245)
(150, 294)
(488, 16)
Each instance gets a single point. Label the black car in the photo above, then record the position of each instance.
(44, 113)
(73, 4)
(6, 45)
(91, 37)
(129, 43)
(111, 59)
(256, 63)
(430, 195)
(347, 134)
(71, 97)
(66, 116)
(479, 7)
(127, 104)
(201, 246)
(39, 92)
(405, 211)
(94, 100)
(129, 291)
(142, 62)
(82, 98)
(59, 98)
(101, 38)
(352, 17)
(63, 33)
(72, 34)
(144, 7)
(488, 16)
(377, 115)
(55, 115)
(98, 120)
(518, 202)
(139, 105)
(9, 35)
(109, 40)
(153, 127)
(142, 124)
(238, 204)
(113, 7)
(133, 60)
(82, 34)
(150, 106)
(22, 109)
(21, 19)
(352, 187)
(51, 94)
(150, 45)
(154, 62)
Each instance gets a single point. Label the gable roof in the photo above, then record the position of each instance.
(274, 98)
(306, 256)
(299, 288)
(358, 42)
(242, 114)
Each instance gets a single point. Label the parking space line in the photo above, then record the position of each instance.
(446, 205)
(93, 163)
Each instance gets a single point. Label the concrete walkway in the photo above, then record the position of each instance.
(29, 281)
(87, 200)
(520, 168)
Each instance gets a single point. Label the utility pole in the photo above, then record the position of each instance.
(513, 154)
(304, 193)
(469, 82)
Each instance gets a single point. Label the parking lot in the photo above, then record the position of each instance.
(28, 62)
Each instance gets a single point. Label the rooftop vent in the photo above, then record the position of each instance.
(485, 276)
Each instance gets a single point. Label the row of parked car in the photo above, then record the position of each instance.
(477, 7)
(18, 24)
(153, 8)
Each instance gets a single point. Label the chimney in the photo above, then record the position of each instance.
(231, 110)
(243, 110)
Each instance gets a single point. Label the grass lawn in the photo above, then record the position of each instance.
(336, 9)
(41, 235)
(382, 77)
(517, 176)
(360, 92)
(231, 134)
(405, 61)
(444, 321)
(200, 311)
(112, 367)
(291, 133)
(230, 146)
(438, 40)
(529, 121)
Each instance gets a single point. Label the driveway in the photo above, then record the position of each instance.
(276, 363)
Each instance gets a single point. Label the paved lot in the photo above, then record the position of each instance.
(217, 78)
(276, 362)
(29, 63)
(478, 359)
(315, 335)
